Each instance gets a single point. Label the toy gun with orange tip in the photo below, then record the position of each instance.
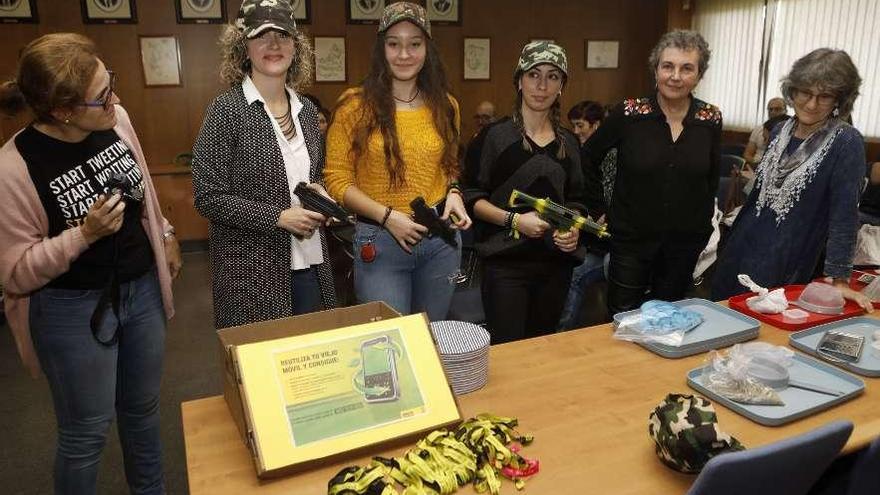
(560, 217)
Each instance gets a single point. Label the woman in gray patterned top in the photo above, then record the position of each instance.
(259, 139)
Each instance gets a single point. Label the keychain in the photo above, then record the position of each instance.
(368, 252)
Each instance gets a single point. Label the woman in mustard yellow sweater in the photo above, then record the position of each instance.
(391, 140)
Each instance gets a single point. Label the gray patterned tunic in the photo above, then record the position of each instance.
(240, 185)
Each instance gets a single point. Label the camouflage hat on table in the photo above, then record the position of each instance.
(686, 433)
(258, 16)
(405, 11)
(542, 52)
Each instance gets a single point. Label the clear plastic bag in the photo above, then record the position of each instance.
(728, 374)
(658, 322)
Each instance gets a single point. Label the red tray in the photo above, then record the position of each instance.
(854, 283)
(792, 292)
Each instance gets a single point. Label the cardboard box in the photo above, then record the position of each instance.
(242, 409)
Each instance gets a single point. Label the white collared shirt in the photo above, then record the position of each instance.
(306, 252)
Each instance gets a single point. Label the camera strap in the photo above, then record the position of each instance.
(109, 297)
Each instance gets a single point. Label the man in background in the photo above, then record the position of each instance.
(757, 142)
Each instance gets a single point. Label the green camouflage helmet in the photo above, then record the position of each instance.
(686, 433)
(541, 52)
(405, 11)
(257, 16)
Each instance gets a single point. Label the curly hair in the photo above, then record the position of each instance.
(685, 40)
(378, 111)
(235, 63)
(54, 72)
(829, 69)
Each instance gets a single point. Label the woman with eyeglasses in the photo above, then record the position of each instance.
(527, 265)
(806, 194)
(86, 260)
(260, 139)
(392, 140)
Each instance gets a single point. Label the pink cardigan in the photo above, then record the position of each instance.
(29, 259)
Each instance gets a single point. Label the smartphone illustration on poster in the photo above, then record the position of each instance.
(380, 370)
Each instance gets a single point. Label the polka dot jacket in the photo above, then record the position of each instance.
(240, 185)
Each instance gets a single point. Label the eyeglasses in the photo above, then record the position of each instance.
(106, 96)
(802, 97)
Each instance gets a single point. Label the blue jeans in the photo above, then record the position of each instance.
(305, 291)
(409, 283)
(91, 382)
(592, 270)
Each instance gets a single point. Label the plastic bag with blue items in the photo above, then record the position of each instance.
(658, 322)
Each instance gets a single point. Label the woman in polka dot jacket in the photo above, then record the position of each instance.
(259, 139)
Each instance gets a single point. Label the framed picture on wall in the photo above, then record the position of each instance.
(601, 54)
(18, 11)
(477, 58)
(201, 11)
(330, 59)
(160, 59)
(444, 12)
(302, 11)
(364, 11)
(108, 11)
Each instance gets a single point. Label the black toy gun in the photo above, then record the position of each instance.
(315, 201)
(560, 217)
(425, 215)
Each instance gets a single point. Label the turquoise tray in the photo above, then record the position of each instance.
(799, 403)
(869, 362)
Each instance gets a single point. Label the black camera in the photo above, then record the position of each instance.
(119, 183)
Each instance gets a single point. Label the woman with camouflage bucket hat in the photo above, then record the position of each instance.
(668, 153)
(260, 139)
(527, 266)
(391, 140)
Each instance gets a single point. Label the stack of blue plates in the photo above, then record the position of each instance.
(464, 352)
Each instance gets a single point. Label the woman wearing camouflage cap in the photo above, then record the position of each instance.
(391, 140)
(527, 265)
(258, 141)
(668, 152)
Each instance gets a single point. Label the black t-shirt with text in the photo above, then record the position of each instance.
(69, 177)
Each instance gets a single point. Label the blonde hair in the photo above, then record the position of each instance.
(235, 64)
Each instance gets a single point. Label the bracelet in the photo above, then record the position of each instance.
(385, 218)
(454, 190)
(508, 220)
(168, 234)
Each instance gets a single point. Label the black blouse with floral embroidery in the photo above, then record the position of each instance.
(663, 187)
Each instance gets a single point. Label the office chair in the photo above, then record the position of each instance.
(787, 467)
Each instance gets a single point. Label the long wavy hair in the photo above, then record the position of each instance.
(555, 116)
(378, 111)
(235, 63)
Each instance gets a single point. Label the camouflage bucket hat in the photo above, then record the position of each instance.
(257, 16)
(542, 52)
(686, 433)
(405, 11)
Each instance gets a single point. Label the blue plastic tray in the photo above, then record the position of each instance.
(869, 362)
(721, 327)
(799, 403)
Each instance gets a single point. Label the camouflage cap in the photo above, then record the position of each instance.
(405, 11)
(686, 433)
(542, 52)
(258, 16)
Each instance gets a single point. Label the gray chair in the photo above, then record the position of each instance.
(787, 467)
(865, 477)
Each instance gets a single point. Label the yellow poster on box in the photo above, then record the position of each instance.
(315, 395)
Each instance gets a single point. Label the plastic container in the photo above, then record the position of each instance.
(795, 315)
(821, 298)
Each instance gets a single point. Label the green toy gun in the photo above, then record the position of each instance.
(560, 217)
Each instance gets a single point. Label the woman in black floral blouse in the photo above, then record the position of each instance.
(668, 154)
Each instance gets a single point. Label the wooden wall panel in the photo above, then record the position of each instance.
(168, 119)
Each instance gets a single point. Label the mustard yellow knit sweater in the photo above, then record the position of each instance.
(421, 149)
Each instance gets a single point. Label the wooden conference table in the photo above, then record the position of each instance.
(585, 397)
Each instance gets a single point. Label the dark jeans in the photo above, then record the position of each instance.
(523, 299)
(305, 291)
(91, 382)
(649, 268)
